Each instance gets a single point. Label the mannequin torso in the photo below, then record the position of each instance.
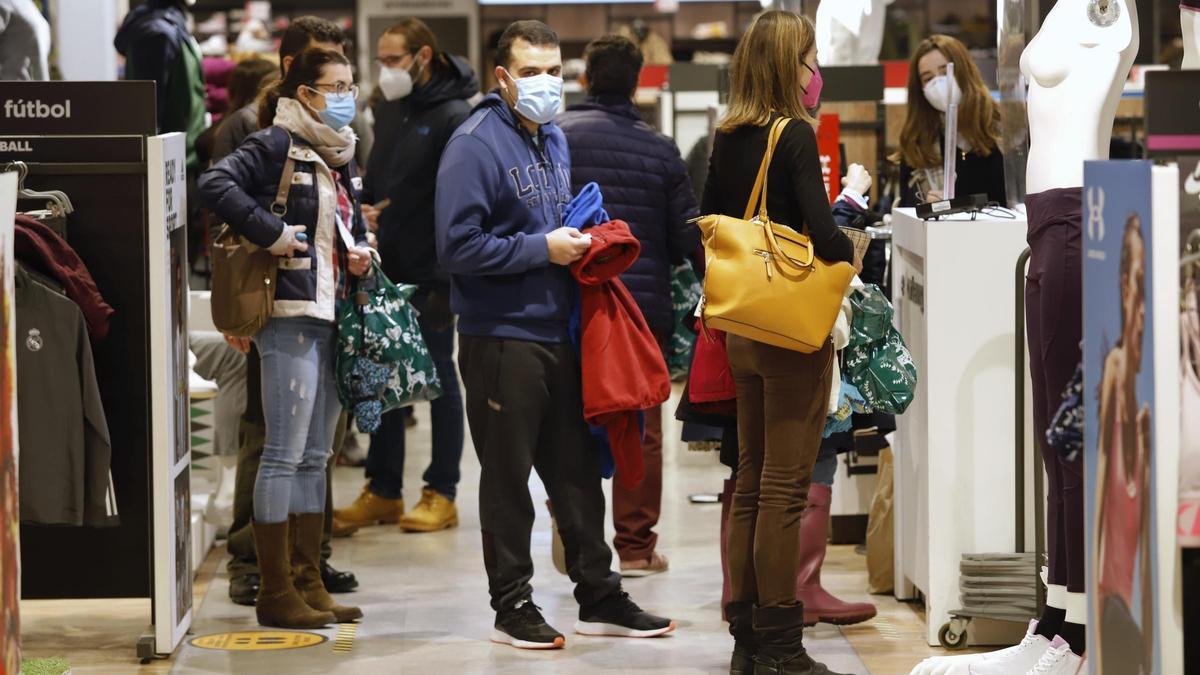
(850, 32)
(1076, 72)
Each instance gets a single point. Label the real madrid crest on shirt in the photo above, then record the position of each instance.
(34, 341)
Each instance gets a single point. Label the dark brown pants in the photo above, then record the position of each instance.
(782, 397)
(635, 512)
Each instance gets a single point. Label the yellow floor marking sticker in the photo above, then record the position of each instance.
(344, 642)
(259, 640)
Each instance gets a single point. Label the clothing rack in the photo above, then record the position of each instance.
(102, 160)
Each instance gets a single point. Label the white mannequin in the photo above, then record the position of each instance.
(850, 32)
(1076, 72)
(1189, 20)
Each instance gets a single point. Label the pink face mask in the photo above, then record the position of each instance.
(812, 95)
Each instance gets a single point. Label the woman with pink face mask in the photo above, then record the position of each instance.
(782, 395)
(979, 166)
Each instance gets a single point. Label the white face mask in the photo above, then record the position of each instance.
(539, 97)
(396, 83)
(935, 93)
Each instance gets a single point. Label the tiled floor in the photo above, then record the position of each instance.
(425, 601)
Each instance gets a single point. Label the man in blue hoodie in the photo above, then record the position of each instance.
(504, 177)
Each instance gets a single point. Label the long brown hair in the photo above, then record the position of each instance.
(304, 71)
(249, 78)
(764, 76)
(418, 35)
(978, 114)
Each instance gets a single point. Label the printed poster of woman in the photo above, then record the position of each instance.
(1122, 534)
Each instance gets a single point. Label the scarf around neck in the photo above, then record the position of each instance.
(335, 147)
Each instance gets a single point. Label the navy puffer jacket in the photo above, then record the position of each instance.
(645, 184)
(241, 188)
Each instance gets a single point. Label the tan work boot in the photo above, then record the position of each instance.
(342, 529)
(279, 605)
(434, 512)
(307, 529)
(371, 509)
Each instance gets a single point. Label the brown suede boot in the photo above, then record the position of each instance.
(307, 529)
(278, 604)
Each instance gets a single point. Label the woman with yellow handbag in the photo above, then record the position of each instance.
(775, 282)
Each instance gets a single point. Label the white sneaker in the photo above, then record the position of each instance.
(1058, 660)
(962, 664)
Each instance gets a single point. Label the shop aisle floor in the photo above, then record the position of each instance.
(425, 600)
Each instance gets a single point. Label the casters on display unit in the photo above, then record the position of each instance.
(953, 634)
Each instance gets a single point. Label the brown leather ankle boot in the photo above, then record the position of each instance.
(307, 529)
(278, 604)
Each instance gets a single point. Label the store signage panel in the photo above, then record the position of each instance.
(1172, 102)
(70, 148)
(62, 108)
(1127, 372)
(1188, 520)
(171, 453)
(829, 149)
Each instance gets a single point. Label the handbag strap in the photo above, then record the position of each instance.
(758, 196)
(279, 206)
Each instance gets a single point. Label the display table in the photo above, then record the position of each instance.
(954, 290)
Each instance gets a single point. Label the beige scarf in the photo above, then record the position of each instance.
(335, 147)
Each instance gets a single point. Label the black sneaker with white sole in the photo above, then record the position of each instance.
(618, 616)
(524, 628)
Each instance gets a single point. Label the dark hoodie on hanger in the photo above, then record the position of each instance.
(410, 135)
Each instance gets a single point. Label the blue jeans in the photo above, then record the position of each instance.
(301, 407)
(385, 458)
(825, 469)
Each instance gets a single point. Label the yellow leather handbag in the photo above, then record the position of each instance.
(764, 281)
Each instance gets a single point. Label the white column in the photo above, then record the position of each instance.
(83, 36)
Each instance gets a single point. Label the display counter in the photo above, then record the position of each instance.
(954, 289)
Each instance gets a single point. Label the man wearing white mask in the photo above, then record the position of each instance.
(425, 99)
(502, 184)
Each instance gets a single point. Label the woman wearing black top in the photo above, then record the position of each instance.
(979, 164)
(782, 395)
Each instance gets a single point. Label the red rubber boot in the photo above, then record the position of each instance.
(819, 604)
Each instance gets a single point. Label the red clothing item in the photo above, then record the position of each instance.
(49, 254)
(623, 368)
(711, 379)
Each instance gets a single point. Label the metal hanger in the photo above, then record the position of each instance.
(58, 201)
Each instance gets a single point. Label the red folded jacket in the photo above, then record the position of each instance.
(38, 245)
(623, 367)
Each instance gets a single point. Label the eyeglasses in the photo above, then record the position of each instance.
(393, 61)
(339, 88)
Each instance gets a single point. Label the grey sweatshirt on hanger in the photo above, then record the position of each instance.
(66, 455)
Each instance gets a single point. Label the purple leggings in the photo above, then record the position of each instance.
(1054, 319)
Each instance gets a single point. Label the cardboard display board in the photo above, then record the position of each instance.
(1131, 367)
(10, 545)
(167, 240)
(1188, 519)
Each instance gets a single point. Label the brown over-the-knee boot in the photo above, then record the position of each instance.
(307, 530)
(278, 604)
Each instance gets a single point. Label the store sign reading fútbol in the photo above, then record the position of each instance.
(36, 109)
(256, 641)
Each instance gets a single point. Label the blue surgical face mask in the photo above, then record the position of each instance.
(339, 111)
(539, 97)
